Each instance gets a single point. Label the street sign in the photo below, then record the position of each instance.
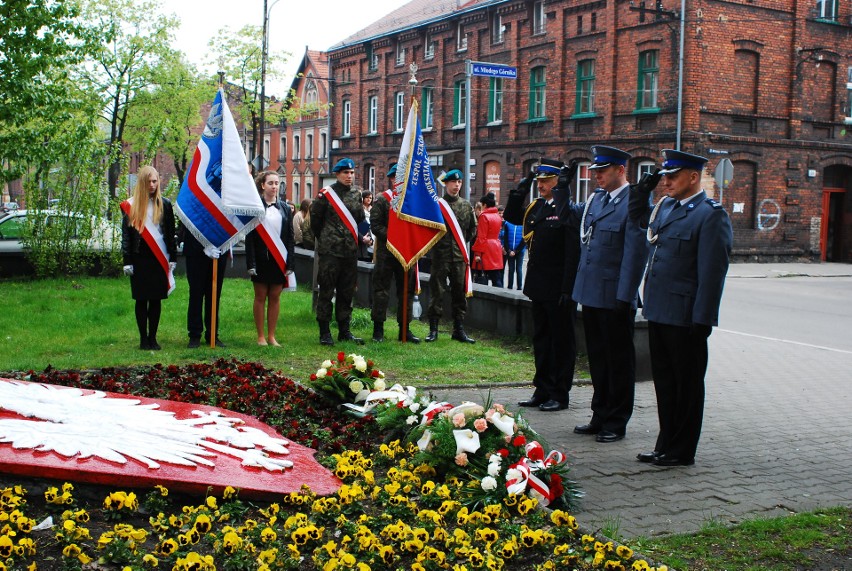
(493, 70)
(724, 173)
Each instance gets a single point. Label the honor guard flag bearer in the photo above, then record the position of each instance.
(415, 221)
(218, 202)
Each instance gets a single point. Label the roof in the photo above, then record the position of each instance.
(414, 14)
(313, 61)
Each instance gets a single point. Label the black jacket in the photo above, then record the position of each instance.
(131, 238)
(255, 246)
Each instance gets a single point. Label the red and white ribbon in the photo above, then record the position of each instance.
(273, 242)
(342, 212)
(154, 238)
(458, 235)
(526, 467)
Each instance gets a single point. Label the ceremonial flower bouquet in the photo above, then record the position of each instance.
(349, 378)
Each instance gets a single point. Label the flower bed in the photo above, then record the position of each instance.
(457, 489)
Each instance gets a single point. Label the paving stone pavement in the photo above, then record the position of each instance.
(776, 439)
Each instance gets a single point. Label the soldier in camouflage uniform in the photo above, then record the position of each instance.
(387, 267)
(337, 251)
(448, 262)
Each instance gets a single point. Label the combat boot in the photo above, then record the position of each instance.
(458, 332)
(344, 334)
(378, 331)
(409, 336)
(433, 331)
(325, 334)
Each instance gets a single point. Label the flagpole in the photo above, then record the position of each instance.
(213, 304)
(412, 82)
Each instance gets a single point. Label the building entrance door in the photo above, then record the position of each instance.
(834, 222)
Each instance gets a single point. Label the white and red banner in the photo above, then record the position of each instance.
(343, 212)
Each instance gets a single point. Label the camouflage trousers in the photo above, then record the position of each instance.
(441, 272)
(387, 268)
(337, 278)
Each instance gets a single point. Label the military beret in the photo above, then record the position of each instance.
(344, 164)
(676, 160)
(548, 168)
(454, 174)
(608, 156)
(392, 171)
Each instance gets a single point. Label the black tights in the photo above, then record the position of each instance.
(148, 318)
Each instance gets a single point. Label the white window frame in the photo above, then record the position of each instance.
(399, 111)
(539, 18)
(583, 179)
(347, 118)
(282, 152)
(309, 190)
(828, 9)
(461, 38)
(495, 101)
(460, 107)
(429, 47)
(323, 145)
(371, 179)
(309, 146)
(848, 119)
(429, 108)
(400, 54)
(297, 147)
(373, 115)
(497, 29)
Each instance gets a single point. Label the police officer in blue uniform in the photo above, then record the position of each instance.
(690, 238)
(613, 252)
(553, 241)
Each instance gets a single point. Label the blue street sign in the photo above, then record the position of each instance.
(493, 70)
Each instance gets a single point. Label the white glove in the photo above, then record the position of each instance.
(172, 266)
(252, 272)
(128, 270)
(212, 252)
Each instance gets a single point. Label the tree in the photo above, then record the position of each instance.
(136, 38)
(39, 41)
(239, 56)
(167, 115)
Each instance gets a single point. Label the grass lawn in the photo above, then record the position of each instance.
(83, 323)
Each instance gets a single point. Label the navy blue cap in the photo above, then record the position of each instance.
(676, 160)
(608, 156)
(344, 164)
(454, 174)
(392, 171)
(548, 168)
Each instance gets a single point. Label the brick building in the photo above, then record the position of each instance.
(766, 84)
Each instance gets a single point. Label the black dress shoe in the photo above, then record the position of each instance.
(552, 405)
(534, 401)
(665, 460)
(607, 436)
(587, 429)
(648, 457)
(193, 344)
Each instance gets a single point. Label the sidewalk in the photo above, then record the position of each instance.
(777, 436)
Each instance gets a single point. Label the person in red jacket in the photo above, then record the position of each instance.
(487, 250)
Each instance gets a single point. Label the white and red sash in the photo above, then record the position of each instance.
(342, 212)
(453, 225)
(154, 238)
(276, 247)
(390, 195)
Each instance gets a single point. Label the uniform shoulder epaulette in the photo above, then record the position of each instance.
(713, 203)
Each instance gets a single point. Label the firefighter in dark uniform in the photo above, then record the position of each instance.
(553, 237)
(387, 267)
(337, 249)
(448, 263)
(613, 252)
(690, 239)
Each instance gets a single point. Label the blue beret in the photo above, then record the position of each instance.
(392, 170)
(344, 164)
(608, 156)
(454, 174)
(676, 160)
(548, 168)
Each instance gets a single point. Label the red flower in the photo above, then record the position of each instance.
(341, 357)
(556, 488)
(535, 453)
(519, 440)
(503, 452)
(375, 373)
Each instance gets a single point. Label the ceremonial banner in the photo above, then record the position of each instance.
(418, 223)
(218, 201)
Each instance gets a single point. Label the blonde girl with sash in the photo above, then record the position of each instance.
(149, 251)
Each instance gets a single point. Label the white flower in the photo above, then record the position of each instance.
(381, 375)
(504, 423)
(513, 474)
(411, 419)
(495, 459)
(360, 363)
(356, 386)
(414, 406)
(488, 483)
(321, 373)
(468, 409)
(493, 468)
(326, 364)
(424, 441)
(466, 441)
(379, 385)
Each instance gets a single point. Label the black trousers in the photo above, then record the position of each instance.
(199, 274)
(388, 268)
(678, 363)
(554, 348)
(612, 364)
